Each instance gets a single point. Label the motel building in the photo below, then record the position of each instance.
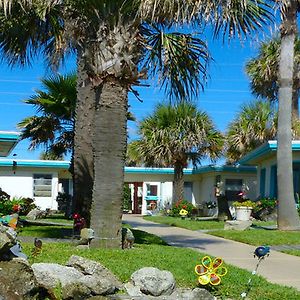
(151, 188)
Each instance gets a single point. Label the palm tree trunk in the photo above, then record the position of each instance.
(288, 218)
(109, 144)
(83, 151)
(178, 183)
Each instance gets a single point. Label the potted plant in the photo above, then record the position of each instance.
(243, 209)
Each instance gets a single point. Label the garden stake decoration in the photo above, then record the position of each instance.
(260, 252)
(210, 271)
(183, 213)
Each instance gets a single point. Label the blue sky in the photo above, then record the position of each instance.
(226, 90)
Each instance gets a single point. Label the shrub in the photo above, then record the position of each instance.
(264, 207)
(182, 204)
(246, 203)
(20, 205)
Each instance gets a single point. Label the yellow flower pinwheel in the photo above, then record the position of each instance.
(183, 212)
(210, 271)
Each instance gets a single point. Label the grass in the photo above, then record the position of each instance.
(55, 218)
(292, 252)
(45, 231)
(195, 224)
(150, 250)
(187, 223)
(258, 237)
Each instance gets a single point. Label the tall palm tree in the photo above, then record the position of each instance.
(173, 136)
(263, 72)
(53, 125)
(114, 39)
(288, 218)
(254, 125)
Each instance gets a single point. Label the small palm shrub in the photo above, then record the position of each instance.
(182, 204)
(21, 205)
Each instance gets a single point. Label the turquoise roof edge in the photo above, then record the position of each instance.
(66, 165)
(266, 148)
(9, 136)
(35, 163)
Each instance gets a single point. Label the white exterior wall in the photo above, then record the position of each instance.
(20, 184)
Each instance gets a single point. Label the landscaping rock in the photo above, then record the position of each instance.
(152, 281)
(8, 238)
(237, 225)
(36, 214)
(104, 281)
(17, 280)
(79, 280)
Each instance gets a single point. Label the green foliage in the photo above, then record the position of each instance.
(20, 205)
(182, 204)
(247, 203)
(127, 198)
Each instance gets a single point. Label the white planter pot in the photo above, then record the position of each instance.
(243, 213)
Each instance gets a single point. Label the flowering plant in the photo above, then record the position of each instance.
(247, 203)
(179, 205)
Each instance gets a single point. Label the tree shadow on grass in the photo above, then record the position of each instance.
(142, 237)
(56, 232)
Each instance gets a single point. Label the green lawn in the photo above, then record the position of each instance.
(195, 224)
(45, 231)
(292, 252)
(258, 237)
(187, 223)
(150, 250)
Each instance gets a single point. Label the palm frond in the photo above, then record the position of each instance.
(181, 60)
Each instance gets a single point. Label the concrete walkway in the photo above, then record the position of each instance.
(278, 268)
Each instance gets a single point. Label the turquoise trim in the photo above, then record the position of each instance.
(155, 170)
(152, 198)
(200, 170)
(35, 163)
(268, 147)
(9, 136)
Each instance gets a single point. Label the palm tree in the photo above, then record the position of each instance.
(53, 126)
(254, 125)
(173, 136)
(263, 72)
(288, 218)
(113, 40)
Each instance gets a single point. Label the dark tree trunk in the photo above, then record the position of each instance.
(83, 151)
(109, 144)
(288, 218)
(178, 183)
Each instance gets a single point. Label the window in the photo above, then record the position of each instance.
(42, 185)
(188, 191)
(232, 189)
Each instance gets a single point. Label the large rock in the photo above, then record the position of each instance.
(36, 214)
(152, 281)
(237, 225)
(79, 280)
(98, 278)
(8, 238)
(17, 280)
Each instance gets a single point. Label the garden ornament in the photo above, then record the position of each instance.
(16, 250)
(260, 252)
(10, 220)
(183, 212)
(127, 238)
(210, 271)
(37, 247)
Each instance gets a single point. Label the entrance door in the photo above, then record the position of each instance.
(137, 197)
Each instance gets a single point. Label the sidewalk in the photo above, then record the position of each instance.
(278, 268)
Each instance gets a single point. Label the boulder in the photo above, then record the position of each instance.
(237, 225)
(80, 279)
(36, 214)
(8, 238)
(98, 278)
(17, 280)
(152, 281)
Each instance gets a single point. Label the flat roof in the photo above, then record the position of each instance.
(58, 164)
(8, 140)
(265, 150)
